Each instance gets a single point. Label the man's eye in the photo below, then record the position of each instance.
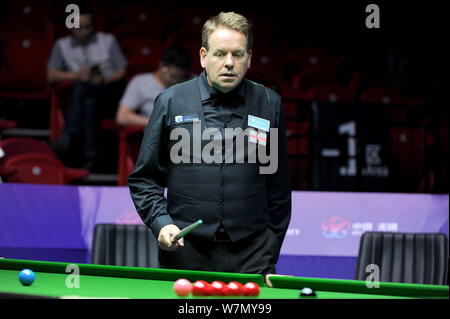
(219, 54)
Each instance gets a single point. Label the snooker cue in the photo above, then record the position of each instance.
(187, 230)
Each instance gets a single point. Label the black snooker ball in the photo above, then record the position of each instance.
(307, 292)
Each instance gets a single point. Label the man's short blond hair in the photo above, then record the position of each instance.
(230, 20)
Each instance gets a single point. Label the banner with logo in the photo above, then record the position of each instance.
(322, 223)
(331, 223)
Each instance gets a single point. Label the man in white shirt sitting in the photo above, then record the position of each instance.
(136, 104)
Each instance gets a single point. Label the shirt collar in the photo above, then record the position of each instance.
(206, 90)
(92, 38)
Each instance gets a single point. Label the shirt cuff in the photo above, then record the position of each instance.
(160, 222)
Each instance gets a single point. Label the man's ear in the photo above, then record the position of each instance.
(165, 68)
(203, 52)
(249, 58)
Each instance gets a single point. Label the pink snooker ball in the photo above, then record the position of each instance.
(182, 287)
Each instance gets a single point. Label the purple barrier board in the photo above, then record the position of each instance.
(40, 220)
(322, 223)
(40, 216)
(105, 205)
(331, 223)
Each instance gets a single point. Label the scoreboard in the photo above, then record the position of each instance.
(351, 149)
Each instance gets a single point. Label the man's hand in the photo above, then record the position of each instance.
(165, 238)
(97, 79)
(83, 74)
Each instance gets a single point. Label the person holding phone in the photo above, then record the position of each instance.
(96, 64)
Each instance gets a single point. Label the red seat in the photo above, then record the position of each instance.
(313, 77)
(6, 124)
(360, 81)
(320, 84)
(136, 20)
(388, 95)
(14, 146)
(187, 19)
(331, 92)
(23, 74)
(130, 138)
(411, 151)
(25, 15)
(408, 150)
(264, 65)
(297, 59)
(383, 94)
(263, 28)
(143, 55)
(30, 161)
(307, 57)
(137, 29)
(36, 168)
(290, 42)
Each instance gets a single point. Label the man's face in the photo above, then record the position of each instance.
(171, 75)
(82, 33)
(227, 60)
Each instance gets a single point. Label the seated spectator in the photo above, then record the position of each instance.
(137, 102)
(96, 63)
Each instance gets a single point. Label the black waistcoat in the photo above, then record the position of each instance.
(233, 194)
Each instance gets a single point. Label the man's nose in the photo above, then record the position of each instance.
(229, 62)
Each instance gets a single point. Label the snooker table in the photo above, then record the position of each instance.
(100, 281)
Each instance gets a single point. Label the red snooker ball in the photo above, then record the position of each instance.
(251, 289)
(201, 288)
(217, 288)
(235, 288)
(182, 287)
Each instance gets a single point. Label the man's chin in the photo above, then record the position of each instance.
(229, 85)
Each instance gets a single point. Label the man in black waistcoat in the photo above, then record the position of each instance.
(245, 204)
